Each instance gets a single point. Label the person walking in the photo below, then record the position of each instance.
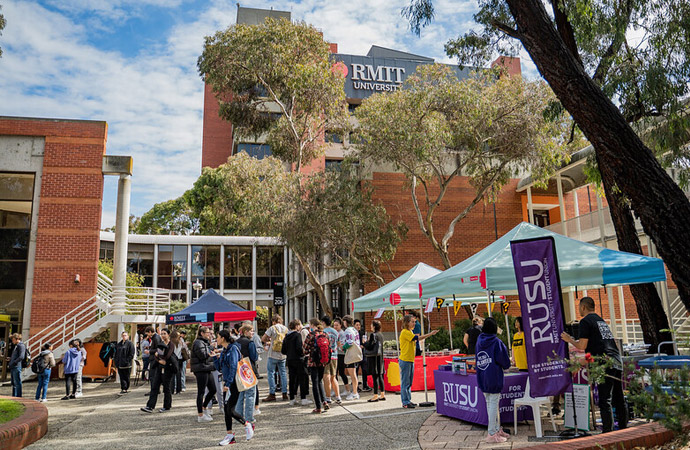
(471, 335)
(293, 349)
(201, 363)
(373, 350)
(330, 372)
(155, 340)
(15, 364)
(226, 363)
(313, 345)
(82, 363)
(596, 338)
(71, 361)
(166, 370)
(124, 355)
(492, 359)
(245, 402)
(44, 377)
(351, 337)
(406, 359)
(276, 360)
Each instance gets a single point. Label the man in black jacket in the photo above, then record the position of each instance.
(293, 349)
(124, 354)
(155, 342)
(15, 365)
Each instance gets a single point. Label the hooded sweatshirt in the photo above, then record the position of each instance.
(492, 358)
(292, 346)
(71, 360)
(50, 359)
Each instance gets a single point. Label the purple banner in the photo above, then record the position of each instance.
(536, 272)
(459, 396)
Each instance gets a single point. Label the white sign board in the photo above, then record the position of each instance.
(581, 392)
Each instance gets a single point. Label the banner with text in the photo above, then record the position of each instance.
(539, 288)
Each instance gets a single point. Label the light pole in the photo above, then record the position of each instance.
(197, 287)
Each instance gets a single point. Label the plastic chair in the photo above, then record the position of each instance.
(138, 365)
(535, 404)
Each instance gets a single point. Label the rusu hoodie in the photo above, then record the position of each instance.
(492, 358)
(71, 360)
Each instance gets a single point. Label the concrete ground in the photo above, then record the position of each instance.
(102, 419)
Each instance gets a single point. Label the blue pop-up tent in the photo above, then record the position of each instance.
(211, 307)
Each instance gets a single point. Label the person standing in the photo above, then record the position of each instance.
(124, 354)
(596, 338)
(144, 346)
(330, 372)
(417, 330)
(471, 335)
(155, 340)
(276, 360)
(227, 365)
(373, 350)
(185, 358)
(362, 366)
(519, 349)
(245, 402)
(406, 359)
(351, 336)
(312, 344)
(338, 326)
(166, 370)
(202, 364)
(82, 363)
(492, 360)
(294, 352)
(71, 361)
(44, 377)
(15, 364)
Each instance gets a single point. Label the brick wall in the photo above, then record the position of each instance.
(69, 216)
(216, 145)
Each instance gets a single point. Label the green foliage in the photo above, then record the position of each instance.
(2, 25)
(255, 68)
(169, 217)
(9, 409)
(106, 268)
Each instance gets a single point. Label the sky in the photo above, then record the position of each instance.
(132, 63)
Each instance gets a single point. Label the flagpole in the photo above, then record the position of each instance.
(450, 330)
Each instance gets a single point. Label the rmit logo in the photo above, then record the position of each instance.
(460, 394)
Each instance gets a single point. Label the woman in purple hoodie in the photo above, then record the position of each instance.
(71, 360)
(492, 359)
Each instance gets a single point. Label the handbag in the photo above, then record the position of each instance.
(353, 354)
(245, 377)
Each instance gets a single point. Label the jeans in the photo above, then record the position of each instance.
(81, 370)
(178, 381)
(42, 388)
(145, 360)
(245, 404)
(406, 377)
(271, 369)
(492, 411)
(612, 387)
(16, 374)
(183, 379)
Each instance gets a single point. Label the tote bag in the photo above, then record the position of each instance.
(353, 354)
(245, 377)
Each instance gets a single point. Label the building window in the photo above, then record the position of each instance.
(238, 268)
(140, 261)
(172, 267)
(269, 266)
(334, 137)
(258, 151)
(107, 251)
(334, 164)
(206, 266)
(541, 218)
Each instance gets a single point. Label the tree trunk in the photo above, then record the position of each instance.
(660, 204)
(646, 297)
(315, 284)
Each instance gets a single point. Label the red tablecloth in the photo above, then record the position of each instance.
(391, 379)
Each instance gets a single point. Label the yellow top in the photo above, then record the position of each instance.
(407, 347)
(519, 351)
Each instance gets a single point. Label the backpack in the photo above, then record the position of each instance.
(277, 345)
(321, 355)
(39, 364)
(26, 362)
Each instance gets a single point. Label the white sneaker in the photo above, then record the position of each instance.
(229, 439)
(78, 394)
(257, 412)
(44, 400)
(204, 418)
(292, 402)
(249, 428)
(305, 402)
(208, 411)
(349, 397)
(355, 397)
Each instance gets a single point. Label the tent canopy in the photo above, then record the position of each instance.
(579, 264)
(211, 307)
(406, 286)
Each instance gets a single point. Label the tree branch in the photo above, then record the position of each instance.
(512, 32)
(565, 29)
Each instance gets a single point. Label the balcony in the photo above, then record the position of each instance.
(586, 227)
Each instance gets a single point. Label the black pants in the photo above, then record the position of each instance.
(298, 377)
(612, 387)
(154, 368)
(365, 373)
(377, 378)
(70, 377)
(317, 386)
(163, 377)
(124, 373)
(204, 380)
(341, 369)
(178, 379)
(230, 404)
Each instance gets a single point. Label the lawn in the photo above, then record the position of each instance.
(9, 409)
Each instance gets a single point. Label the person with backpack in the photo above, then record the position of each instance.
(276, 360)
(41, 366)
(226, 363)
(124, 354)
(330, 372)
(294, 351)
(317, 348)
(202, 364)
(18, 361)
(373, 351)
(163, 376)
(245, 403)
(71, 361)
(492, 359)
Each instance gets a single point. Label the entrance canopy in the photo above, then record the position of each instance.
(579, 264)
(405, 286)
(211, 307)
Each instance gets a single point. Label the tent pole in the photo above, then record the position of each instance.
(426, 390)
(450, 330)
(395, 322)
(488, 303)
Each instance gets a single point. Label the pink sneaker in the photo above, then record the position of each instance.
(503, 434)
(495, 438)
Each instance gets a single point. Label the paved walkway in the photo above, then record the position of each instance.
(101, 419)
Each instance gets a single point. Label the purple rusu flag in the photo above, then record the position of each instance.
(539, 287)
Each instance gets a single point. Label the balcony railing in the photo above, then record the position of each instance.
(586, 227)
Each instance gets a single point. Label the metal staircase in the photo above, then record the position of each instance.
(86, 321)
(681, 319)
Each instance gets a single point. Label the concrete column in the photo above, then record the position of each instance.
(612, 312)
(285, 286)
(155, 265)
(561, 204)
(329, 294)
(530, 206)
(624, 317)
(571, 314)
(600, 215)
(124, 188)
(578, 229)
(222, 269)
(310, 305)
(254, 280)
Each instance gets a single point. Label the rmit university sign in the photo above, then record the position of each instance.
(376, 78)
